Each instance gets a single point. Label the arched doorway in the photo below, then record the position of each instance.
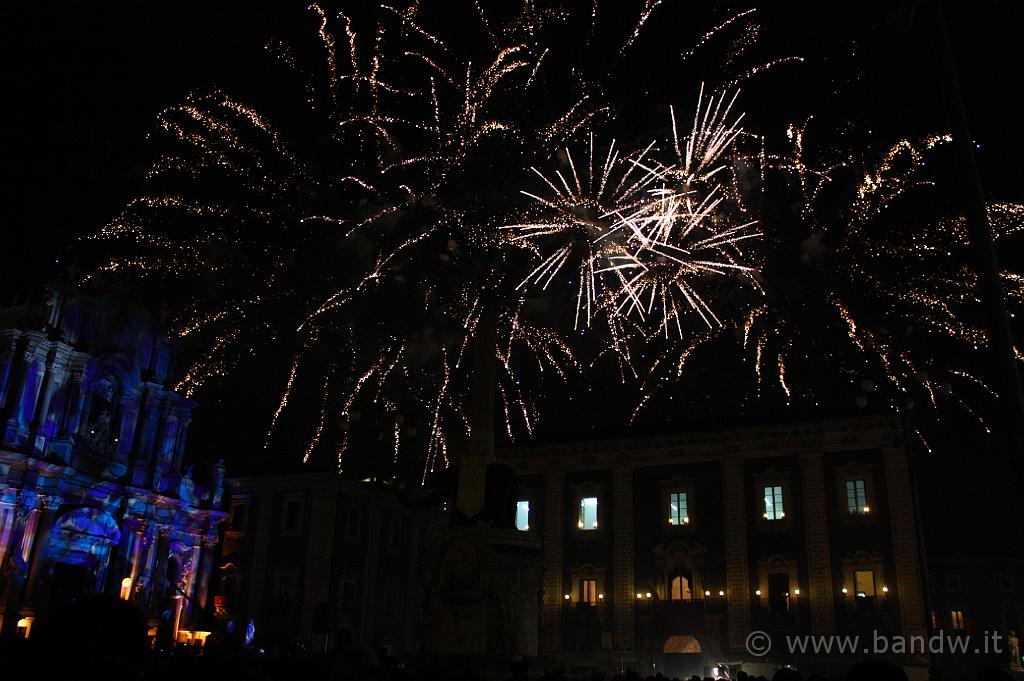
(680, 588)
(683, 656)
(77, 553)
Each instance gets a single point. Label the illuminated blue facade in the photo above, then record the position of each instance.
(93, 499)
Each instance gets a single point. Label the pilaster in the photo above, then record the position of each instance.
(554, 528)
(737, 576)
(624, 567)
(820, 588)
(906, 553)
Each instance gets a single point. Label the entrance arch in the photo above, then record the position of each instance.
(682, 645)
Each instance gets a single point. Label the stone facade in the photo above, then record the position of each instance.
(656, 587)
(320, 561)
(92, 497)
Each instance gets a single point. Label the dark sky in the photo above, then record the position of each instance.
(83, 83)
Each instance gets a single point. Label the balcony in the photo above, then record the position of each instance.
(582, 626)
(865, 615)
(677, 617)
(777, 620)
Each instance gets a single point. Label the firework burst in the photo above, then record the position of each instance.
(361, 227)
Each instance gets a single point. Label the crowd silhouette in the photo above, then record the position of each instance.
(103, 638)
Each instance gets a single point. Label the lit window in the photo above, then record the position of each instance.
(391, 602)
(678, 509)
(773, 509)
(588, 591)
(395, 535)
(856, 497)
(523, 515)
(681, 589)
(238, 517)
(353, 523)
(292, 515)
(588, 513)
(957, 619)
(347, 596)
(864, 583)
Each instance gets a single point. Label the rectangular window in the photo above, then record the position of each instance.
(588, 513)
(778, 592)
(395, 535)
(864, 583)
(678, 509)
(227, 585)
(773, 509)
(347, 596)
(292, 515)
(956, 617)
(588, 591)
(856, 497)
(238, 517)
(352, 523)
(523, 515)
(391, 602)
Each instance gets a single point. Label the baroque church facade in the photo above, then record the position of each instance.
(93, 495)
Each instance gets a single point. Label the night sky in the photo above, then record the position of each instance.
(83, 84)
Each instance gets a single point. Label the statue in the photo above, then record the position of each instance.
(98, 439)
(1014, 645)
(187, 488)
(217, 484)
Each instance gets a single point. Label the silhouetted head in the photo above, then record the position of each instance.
(356, 664)
(94, 637)
(786, 674)
(875, 670)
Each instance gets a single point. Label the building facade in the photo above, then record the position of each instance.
(93, 499)
(319, 561)
(665, 554)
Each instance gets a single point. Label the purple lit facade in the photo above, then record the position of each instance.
(93, 497)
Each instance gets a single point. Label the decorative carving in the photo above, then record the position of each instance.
(1014, 648)
(461, 578)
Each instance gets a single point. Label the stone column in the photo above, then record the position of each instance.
(906, 555)
(554, 528)
(737, 571)
(319, 552)
(39, 559)
(184, 421)
(8, 355)
(44, 425)
(820, 589)
(14, 571)
(76, 402)
(23, 399)
(123, 425)
(202, 591)
(143, 582)
(624, 565)
(368, 597)
(119, 560)
(145, 432)
(68, 413)
(412, 583)
(258, 567)
(189, 590)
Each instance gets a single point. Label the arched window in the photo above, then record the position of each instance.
(680, 589)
